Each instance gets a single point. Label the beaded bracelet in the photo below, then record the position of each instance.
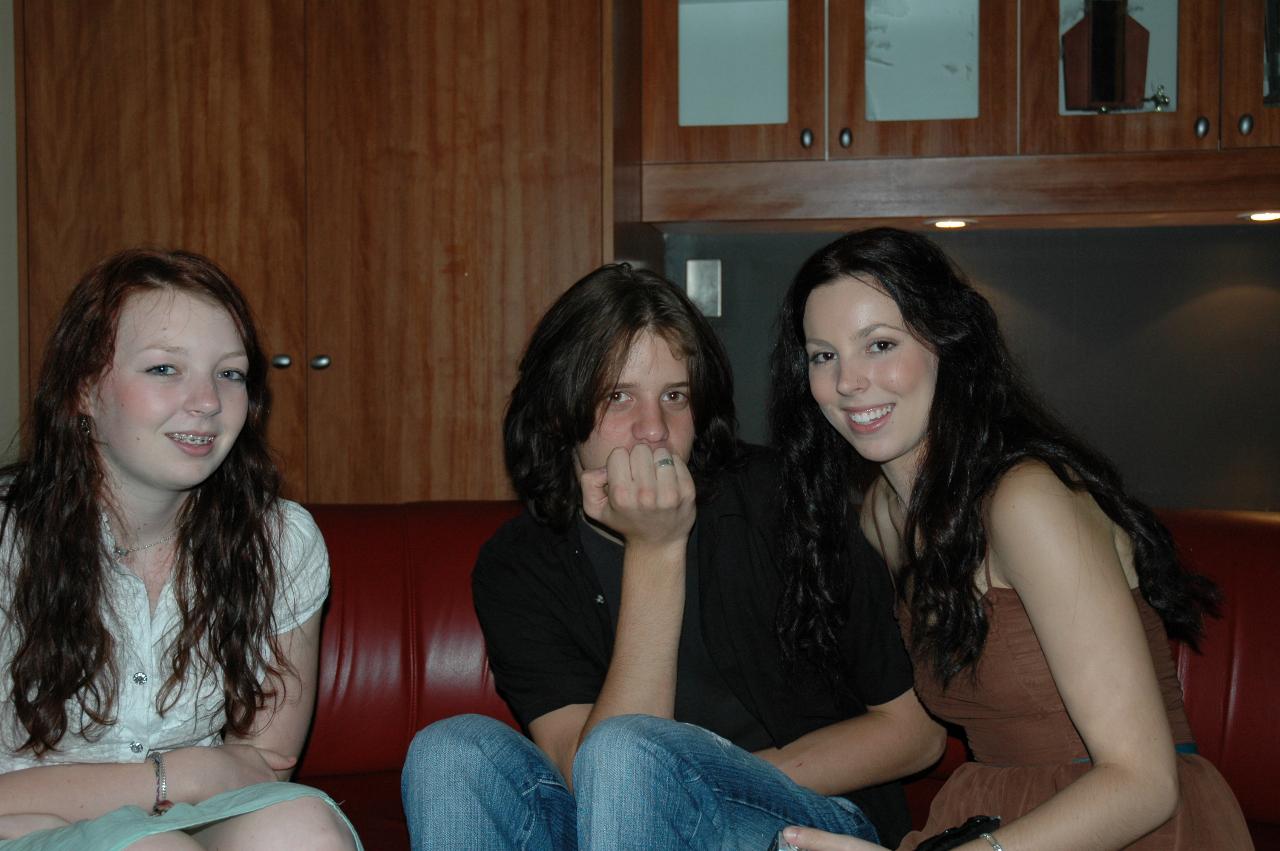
(162, 803)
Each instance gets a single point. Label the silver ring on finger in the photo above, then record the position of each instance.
(665, 461)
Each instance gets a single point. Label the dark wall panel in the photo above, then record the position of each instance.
(1161, 346)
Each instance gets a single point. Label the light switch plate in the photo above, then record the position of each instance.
(702, 283)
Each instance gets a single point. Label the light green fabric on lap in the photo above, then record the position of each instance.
(125, 826)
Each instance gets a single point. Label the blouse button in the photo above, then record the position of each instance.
(140, 678)
(136, 747)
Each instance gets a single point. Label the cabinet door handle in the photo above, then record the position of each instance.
(846, 137)
(1246, 124)
(1202, 127)
(806, 138)
(321, 362)
(281, 361)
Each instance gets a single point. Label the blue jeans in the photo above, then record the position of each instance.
(640, 782)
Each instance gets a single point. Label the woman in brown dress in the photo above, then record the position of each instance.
(1034, 594)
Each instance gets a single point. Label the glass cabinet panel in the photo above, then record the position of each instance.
(732, 80)
(921, 60)
(1118, 56)
(732, 62)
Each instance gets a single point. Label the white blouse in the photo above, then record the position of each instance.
(142, 658)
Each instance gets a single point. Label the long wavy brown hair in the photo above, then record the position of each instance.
(985, 419)
(225, 573)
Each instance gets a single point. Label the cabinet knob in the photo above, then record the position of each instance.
(321, 362)
(846, 137)
(806, 138)
(1246, 124)
(281, 361)
(1202, 127)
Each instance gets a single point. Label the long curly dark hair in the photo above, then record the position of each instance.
(225, 575)
(571, 364)
(983, 421)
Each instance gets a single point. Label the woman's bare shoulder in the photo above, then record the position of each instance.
(1033, 519)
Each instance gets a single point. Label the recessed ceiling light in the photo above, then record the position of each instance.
(949, 224)
(1262, 216)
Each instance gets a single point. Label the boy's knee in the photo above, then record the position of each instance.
(461, 751)
(623, 733)
(622, 747)
(458, 738)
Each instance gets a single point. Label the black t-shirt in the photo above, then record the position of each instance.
(702, 695)
(549, 632)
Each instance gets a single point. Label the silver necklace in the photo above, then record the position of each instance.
(120, 552)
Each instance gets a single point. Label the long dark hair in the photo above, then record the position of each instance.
(571, 364)
(984, 420)
(225, 576)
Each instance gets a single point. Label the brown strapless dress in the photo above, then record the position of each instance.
(1025, 747)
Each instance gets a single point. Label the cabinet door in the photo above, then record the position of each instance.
(1190, 123)
(932, 79)
(175, 125)
(1251, 73)
(454, 189)
(733, 80)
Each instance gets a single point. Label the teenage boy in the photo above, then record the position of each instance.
(629, 616)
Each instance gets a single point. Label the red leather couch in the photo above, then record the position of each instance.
(401, 648)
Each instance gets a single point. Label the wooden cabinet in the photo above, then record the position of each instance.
(168, 124)
(1218, 49)
(400, 187)
(991, 132)
(826, 115)
(1219, 88)
(799, 137)
(1191, 164)
(1247, 121)
(454, 186)
(1046, 131)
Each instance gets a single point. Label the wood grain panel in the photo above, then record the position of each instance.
(1099, 185)
(454, 189)
(627, 238)
(175, 125)
(666, 141)
(993, 132)
(621, 91)
(1044, 131)
(1243, 22)
(25, 362)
